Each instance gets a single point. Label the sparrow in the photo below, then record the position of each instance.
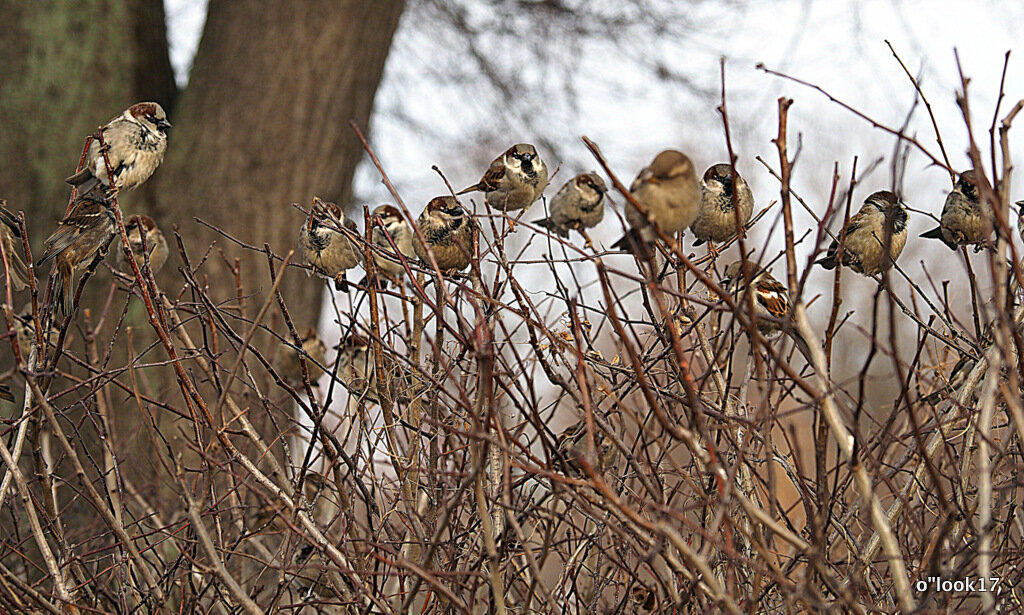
(10, 235)
(579, 204)
(81, 236)
(966, 218)
(357, 369)
(136, 142)
(715, 219)
(25, 331)
(771, 299)
(385, 259)
(771, 302)
(326, 243)
(572, 447)
(287, 362)
(864, 235)
(669, 191)
(448, 231)
(514, 180)
(155, 242)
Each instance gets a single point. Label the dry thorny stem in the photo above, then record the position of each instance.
(174, 470)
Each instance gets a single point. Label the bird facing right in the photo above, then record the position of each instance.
(966, 217)
(864, 236)
(579, 205)
(716, 220)
(10, 235)
(669, 191)
(136, 142)
(448, 231)
(514, 180)
(81, 236)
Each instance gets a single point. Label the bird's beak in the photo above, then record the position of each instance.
(163, 124)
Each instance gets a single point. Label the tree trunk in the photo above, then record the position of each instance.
(264, 123)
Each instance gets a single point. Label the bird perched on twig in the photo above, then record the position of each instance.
(82, 236)
(966, 217)
(288, 359)
(864, 238)
(25, 331)
(514, 180)
(326, 243)
(771, 301)
(10, 235)
(135, 141)
(156, 244)
(448, 231)
(579, 205)
(572, 446)
(358, 370)
(716, 220)
(384, 256)
(669, 191)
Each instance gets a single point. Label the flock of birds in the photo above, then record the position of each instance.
(666, 198)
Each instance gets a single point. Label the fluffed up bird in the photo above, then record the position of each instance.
(966, 217)
(287, 359)
(669, 191)
(579, 205)
(10, 235)
(448, 231)
(716, 220)
(358, 370)
(864, 237)
(156, 244)
(385, 259)
(81, 236)
(514, 180)
(25, 331)
(770, 299)
(572, 446)
(136, 142)
(326, 243)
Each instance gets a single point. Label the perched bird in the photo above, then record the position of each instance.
(771, 301)
(716, 220)
(156, 243)
(326, 242)
(287, 359)
(579, 204)
(572, 446)
(136, 142)
(966, 218)
(669, 191)
(865, 235)
(25, 331)
(10, 235)
(358, 370)
(81, 236)
(514, 180)
(386, 261)
(448, 231)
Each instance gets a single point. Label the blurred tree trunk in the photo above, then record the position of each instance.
(264, 123)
